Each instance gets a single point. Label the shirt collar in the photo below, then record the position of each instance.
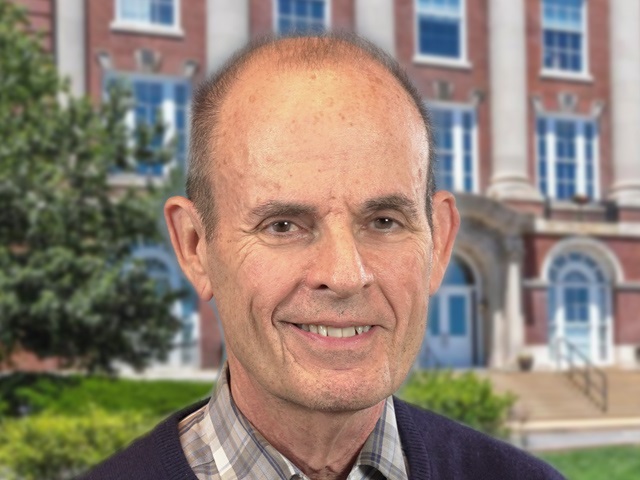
(239, 451)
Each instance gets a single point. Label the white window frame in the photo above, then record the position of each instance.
(458, 109)
(462, 62)
(127, 25)
(276, 15)
(581, 156)
(168, 108)
(583, 75)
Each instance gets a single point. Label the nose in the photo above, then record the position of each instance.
(338, 266)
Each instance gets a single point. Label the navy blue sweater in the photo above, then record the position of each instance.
(436, 448)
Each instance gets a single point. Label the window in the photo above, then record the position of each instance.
(440, 28)
(455, 137)
(157, 13)
(567, 157)
(301, 16)
(164, 97)
(563, 36)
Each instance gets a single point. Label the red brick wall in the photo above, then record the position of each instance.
(464, 81)
(28, 362)
(260, 17)
(536, 315)
(627, 250)
(121, 46)
(547, 89)
(41, 15)
(627, 317)
(343, 15)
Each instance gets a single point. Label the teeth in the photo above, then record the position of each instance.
(335, 332)
(348, 331)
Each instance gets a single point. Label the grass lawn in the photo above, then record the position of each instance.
(603, 463)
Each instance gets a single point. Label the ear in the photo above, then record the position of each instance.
(446, 221)
(188, 239)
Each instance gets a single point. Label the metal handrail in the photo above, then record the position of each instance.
(588, 371)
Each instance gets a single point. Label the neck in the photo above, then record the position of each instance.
(323, 444)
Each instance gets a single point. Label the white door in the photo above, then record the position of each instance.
(580, 312)
(449, 336)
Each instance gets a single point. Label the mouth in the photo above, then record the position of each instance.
(335, 332)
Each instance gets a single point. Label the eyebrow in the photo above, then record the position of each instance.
(273, 208)
(398, 202)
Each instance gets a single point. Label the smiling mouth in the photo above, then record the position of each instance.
(335, 332)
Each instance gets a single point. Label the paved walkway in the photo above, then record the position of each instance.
(572, 433)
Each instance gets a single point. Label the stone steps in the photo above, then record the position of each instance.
(544, 396)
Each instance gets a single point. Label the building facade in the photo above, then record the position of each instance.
(536, 109)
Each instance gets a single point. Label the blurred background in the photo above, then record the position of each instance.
(536, 113)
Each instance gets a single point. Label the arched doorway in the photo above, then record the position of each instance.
(579, 306)
(452, 335)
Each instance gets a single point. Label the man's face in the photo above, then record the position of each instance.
(320, 197)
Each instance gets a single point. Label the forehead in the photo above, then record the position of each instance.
(300, 114)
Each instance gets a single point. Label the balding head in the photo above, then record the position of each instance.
(338, 52)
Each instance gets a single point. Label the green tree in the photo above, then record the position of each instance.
(69, 287)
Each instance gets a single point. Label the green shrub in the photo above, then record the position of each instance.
(462, 397)
(33, 393)
(49, 446)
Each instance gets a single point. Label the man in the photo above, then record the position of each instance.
(312, 220)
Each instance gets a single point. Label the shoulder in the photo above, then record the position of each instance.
(155, 456)
(438, 447)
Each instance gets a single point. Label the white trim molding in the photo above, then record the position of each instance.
(595, 248)
(147, 26)
(458, 112)
(462, 60)
(276, 14)
(568, 73)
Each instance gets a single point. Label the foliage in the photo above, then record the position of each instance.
(71, 395)
(50, 446)
(613, 463)
(462, 397)
(68, 285)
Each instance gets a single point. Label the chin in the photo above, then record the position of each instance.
(336, 398)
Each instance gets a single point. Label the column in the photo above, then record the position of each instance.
(227, 30)
(375, 21)
(625, 94)
(513, 297)
(70, 43)
(508, 96)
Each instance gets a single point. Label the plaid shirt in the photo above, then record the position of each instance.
(220, 443)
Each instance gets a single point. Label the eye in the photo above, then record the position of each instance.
(282, 226)
(384, 223)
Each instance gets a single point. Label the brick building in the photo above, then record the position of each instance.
(536, 106)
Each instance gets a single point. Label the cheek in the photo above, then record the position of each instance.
(404, 271)
(267, 278)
